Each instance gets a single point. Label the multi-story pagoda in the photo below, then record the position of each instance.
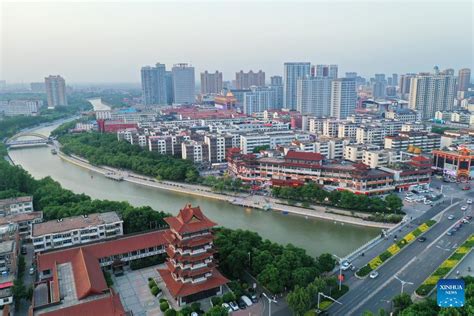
(191, 272)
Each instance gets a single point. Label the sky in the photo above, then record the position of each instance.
(104, 41)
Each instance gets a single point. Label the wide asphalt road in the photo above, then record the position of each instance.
(413, 264)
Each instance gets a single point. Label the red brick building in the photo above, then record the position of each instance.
(191, 272)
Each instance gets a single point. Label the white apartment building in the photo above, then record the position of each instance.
(314, 96)
(331, 148)
(330, 128)
(380, 158)
(432, 92)
(413, 126)
(76, 230)
(355, 152)
(316, 125)
(18, 205)
(404, 115)
(343, 97)
(20, 107)
(250, 141)
(347, 129)
(370, 134)
(183, 84)
(259, 99)
(195, 151)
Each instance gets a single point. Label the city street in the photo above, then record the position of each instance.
(413, 264)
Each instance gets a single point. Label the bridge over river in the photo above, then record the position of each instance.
(27, 139)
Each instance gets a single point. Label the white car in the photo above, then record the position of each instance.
(450, 217)
(234, 306)
(469, 201)
(345, 265)
(227, 306)
(427, 202)
(464, 208)
(373, 274)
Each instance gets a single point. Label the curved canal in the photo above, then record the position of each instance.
(316, 236)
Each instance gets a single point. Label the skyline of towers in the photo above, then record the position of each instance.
(154, 85)
(292, 72)
(343, 97)
(244, 80)
(183, 84)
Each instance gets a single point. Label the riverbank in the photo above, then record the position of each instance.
(250, 201)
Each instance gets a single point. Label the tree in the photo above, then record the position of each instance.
(217, 311)
(299, 300)
(271, 279)
(402, 301)
(326, 262)
(394, 203)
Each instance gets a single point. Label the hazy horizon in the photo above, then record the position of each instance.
(106, 42)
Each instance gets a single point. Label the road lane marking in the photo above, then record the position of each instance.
(380, 287)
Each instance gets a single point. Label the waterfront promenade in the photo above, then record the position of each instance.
(245, 200)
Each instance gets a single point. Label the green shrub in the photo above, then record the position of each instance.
(186, 310)
(325, 305)
(365, 270)
(430, 222)
(155, 290)
(424, 289)
(196, 307)
(164, 306)
(442, 271)
(338, 293)
(228, 297)
(385, 255)
(147, 262)
(216, 300)
(416, 232)
(151, 283)
(170, 312)
(456, 256)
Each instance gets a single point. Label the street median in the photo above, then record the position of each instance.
(394, 249)
(445, 268)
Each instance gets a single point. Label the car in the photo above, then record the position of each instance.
(373, 274)
(466, 188)
(463, 208)
(345, 265)
(246, 300)
(454, 229)
(409, 199)
(465, 221)
(468, 217)
(450, 217)
(24, 251)
(254, 298)
(32, 271)
(227, 306)
(427, 202)
(234, 306)
(469, 201)
(422, 239)
(242, 304)
(450, 233)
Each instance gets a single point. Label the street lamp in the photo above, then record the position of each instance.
(403, 283)
(270, 300)
(326, 296)
(340, 270)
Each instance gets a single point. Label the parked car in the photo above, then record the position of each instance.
(227, 306)
(234, 306)
(463, 208)
(246, 300)
(242, 304)
(32, 271)
(373, 274)
(24, 251)
(466, 188)
(427, 202)
(469, 201)
(254, 298)
(450, 233)
(422, 239)
(450, 217)
(468, 217)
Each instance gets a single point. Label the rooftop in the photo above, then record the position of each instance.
(21, 217)
(190, 219)
(7, 246)
(75, 222)
(21, 199)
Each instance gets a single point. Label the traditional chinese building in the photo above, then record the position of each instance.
(456, 164)
(191, 272)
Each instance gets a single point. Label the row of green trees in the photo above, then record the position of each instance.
(105, 149)
(57, 202)
(225, 183)
(276, 267)
(312, 193)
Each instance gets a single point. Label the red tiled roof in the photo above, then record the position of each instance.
(103, 249)
(304, 156)
(178, 289)
(107, 306)
(188, 258)
(190, 219)
(420, 158)
(88, 276)
(6, 284)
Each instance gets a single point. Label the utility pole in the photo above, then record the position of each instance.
(340, 270)
(328, 297)
(403, 283)
(270, 300)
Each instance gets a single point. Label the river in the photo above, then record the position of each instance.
(314, 235)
